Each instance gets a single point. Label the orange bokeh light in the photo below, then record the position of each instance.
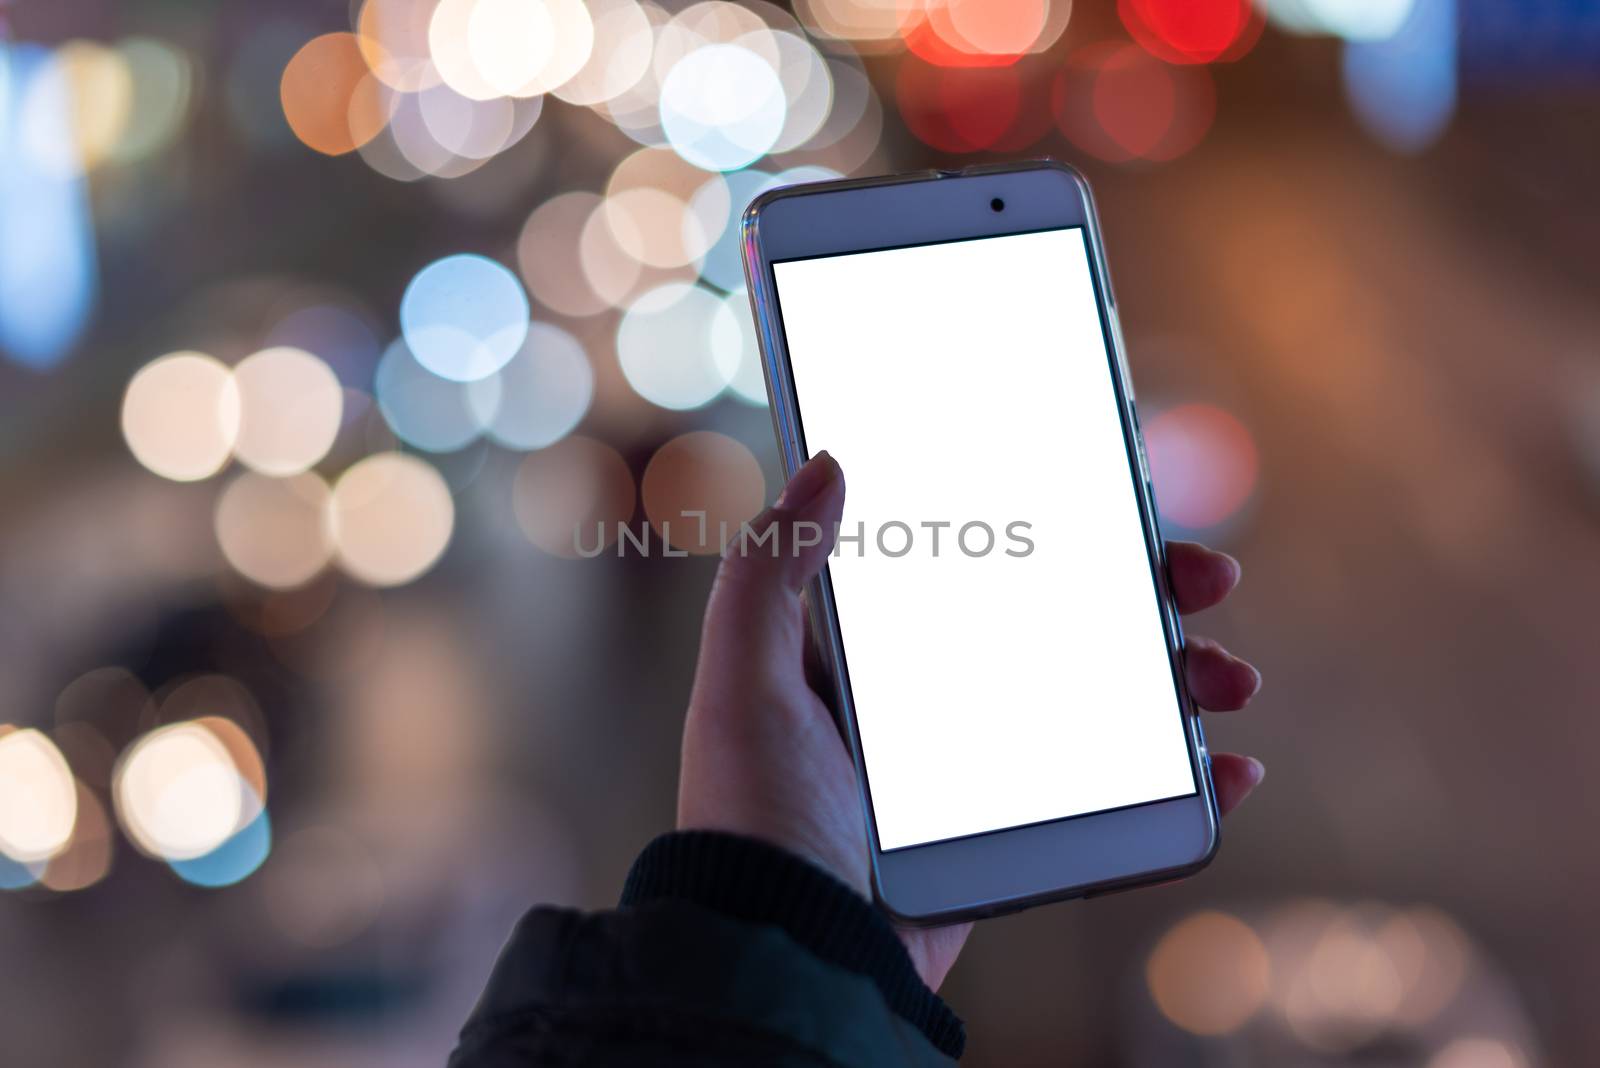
(330, 99)
(975, 33)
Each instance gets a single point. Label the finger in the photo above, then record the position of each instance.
(1218, 680)
(755, 601)
(1201, 577)
(1234, 776)
(817, 674)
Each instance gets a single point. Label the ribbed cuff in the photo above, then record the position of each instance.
(755, 882)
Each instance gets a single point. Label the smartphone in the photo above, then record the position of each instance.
(1003, 650)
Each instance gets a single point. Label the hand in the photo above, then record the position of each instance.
(761, 754)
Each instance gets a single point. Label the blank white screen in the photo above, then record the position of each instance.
(969, 381)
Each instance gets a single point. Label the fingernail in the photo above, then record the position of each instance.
(1234, 564)
(1258, 771)
(1253, 670)
(809, 483)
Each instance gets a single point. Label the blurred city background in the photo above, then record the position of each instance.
(321, 324)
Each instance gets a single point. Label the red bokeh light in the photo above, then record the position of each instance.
(958, 109)
(1192, 31)
(1119, 103)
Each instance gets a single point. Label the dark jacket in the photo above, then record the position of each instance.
(724, 951)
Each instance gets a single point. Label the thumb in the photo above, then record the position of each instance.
(755, 602)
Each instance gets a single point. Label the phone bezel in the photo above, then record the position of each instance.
(1075, 856)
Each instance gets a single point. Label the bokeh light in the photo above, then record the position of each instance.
(545, 251)
(101, 93)
(162, 80)
(721, 265)
(1192, 31)
(606, 266)
(647, 208)
(1402, 87)
(290, 406)
(425, 410)
(958, 110)
(571, 497)
(539, 396)
(1209, 974)
(1119, 103)
(274, 530)
(391, 517)
(722, 107)
(807, 88)
(1354, 20)
(509, 42)
(1431, 954)
(464, 316)
(666, 344)
(738, 353)
(1204, 465)
(451, 41)
(87, 858)
(47, 258)
(109, 698)
(180, 416)
(462, 127)
(623, 44)
(329, 100)
(393, 38)
(979, 33)
(178, 794)
(870, 25)
(1478, 1052)
(701, 472)
(1343, 976)
(14, 875)
(235, 859)
(87, 751)
(38, 796)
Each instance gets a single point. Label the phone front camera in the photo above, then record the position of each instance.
(997, 204)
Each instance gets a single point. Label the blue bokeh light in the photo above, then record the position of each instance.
(464, 317)
(427, 411)
(537, 398)
(1403, 88)
(233, 860)
(47, 268)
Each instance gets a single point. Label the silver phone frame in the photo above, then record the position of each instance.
(1075, 856)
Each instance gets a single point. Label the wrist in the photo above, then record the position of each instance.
(758, 882)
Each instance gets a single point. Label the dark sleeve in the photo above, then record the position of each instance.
(725, 950)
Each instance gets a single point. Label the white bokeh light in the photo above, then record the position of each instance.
(722, 107)
(290, 405)
(666, 344)
(391, 517)
(178, 793)
(38, 796)
(510, 41)
(180, 416)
